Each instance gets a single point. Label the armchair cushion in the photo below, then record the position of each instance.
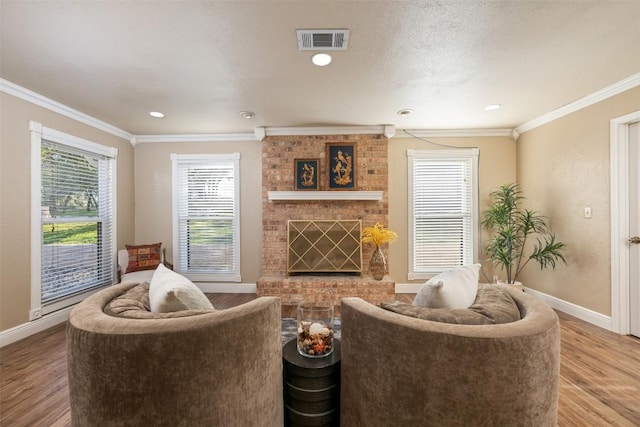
(134, 304)
(492, 305)
(170, 291)
(144, 257)
(455, 288)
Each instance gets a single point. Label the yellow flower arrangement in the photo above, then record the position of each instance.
(378, 235)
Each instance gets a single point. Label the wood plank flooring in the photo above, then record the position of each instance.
(599, 375)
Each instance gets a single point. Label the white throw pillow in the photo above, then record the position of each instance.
(170, 291)
(456, 288)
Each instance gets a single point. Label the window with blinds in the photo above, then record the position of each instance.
(443, 210)
(206, 226)
(75, 208)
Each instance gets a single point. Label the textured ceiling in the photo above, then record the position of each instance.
(201, 62)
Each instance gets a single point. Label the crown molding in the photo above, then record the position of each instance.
(260, 132)
(328, 130)
(585, 101)
(204, 137)
(452, 133)
(51, 105)
(389, 131)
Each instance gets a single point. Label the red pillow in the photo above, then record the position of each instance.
(144, 257)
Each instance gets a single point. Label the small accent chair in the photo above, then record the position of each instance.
(137, 276)
(403, 371)
(206, 368)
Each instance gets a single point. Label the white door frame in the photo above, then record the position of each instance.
(619, 150)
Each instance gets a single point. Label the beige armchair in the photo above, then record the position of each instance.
(205, 368)
(402, 371)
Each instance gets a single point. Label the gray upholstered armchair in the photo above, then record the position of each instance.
(196, 367)
(403, 371)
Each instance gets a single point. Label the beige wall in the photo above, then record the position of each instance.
(563, 167)
(15, 204)
(153, 196)
(496, 166)
(153, 191)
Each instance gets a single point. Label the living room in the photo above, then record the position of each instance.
(562, 153)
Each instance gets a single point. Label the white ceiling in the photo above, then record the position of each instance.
(201, 62)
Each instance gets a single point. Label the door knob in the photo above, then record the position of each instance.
(635, 240)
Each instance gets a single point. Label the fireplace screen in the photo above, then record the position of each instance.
(324, 247)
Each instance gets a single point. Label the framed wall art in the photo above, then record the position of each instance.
(306, 173)
(341, 166)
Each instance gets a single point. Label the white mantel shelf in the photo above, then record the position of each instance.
(325, 195)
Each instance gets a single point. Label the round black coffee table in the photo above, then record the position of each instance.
(311, 387)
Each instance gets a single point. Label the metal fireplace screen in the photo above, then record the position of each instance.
(324, 247)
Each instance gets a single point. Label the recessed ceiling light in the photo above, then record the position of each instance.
(492, 107)
(405, 112)
(156, 114)
(321, 59)
(246, 114)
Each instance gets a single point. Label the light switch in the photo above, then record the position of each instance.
(587, 212)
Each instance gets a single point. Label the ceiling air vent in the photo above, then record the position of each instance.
(322, 39)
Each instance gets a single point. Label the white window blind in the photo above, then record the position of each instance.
(76, 217)
(206, 216)
(443, 210)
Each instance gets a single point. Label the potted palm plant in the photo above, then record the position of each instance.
(512, 228)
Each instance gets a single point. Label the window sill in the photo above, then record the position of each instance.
(212, 277)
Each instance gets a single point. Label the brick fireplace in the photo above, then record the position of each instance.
(371, 173)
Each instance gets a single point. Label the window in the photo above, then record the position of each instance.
(73, 213)
(443, 194)
(206, 222)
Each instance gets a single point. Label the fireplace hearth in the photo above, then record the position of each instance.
(322, 257)
(294, 290)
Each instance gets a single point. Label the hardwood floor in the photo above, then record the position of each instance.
(599, 375)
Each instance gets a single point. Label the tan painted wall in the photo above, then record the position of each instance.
(496, 166)
(15, 148)
(153, 196)
(572, 151)
(563, 166)
(153, 191)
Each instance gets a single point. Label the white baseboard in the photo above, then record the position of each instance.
(574, 310)
(47, 321)
(228, 288)
(19, 332)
